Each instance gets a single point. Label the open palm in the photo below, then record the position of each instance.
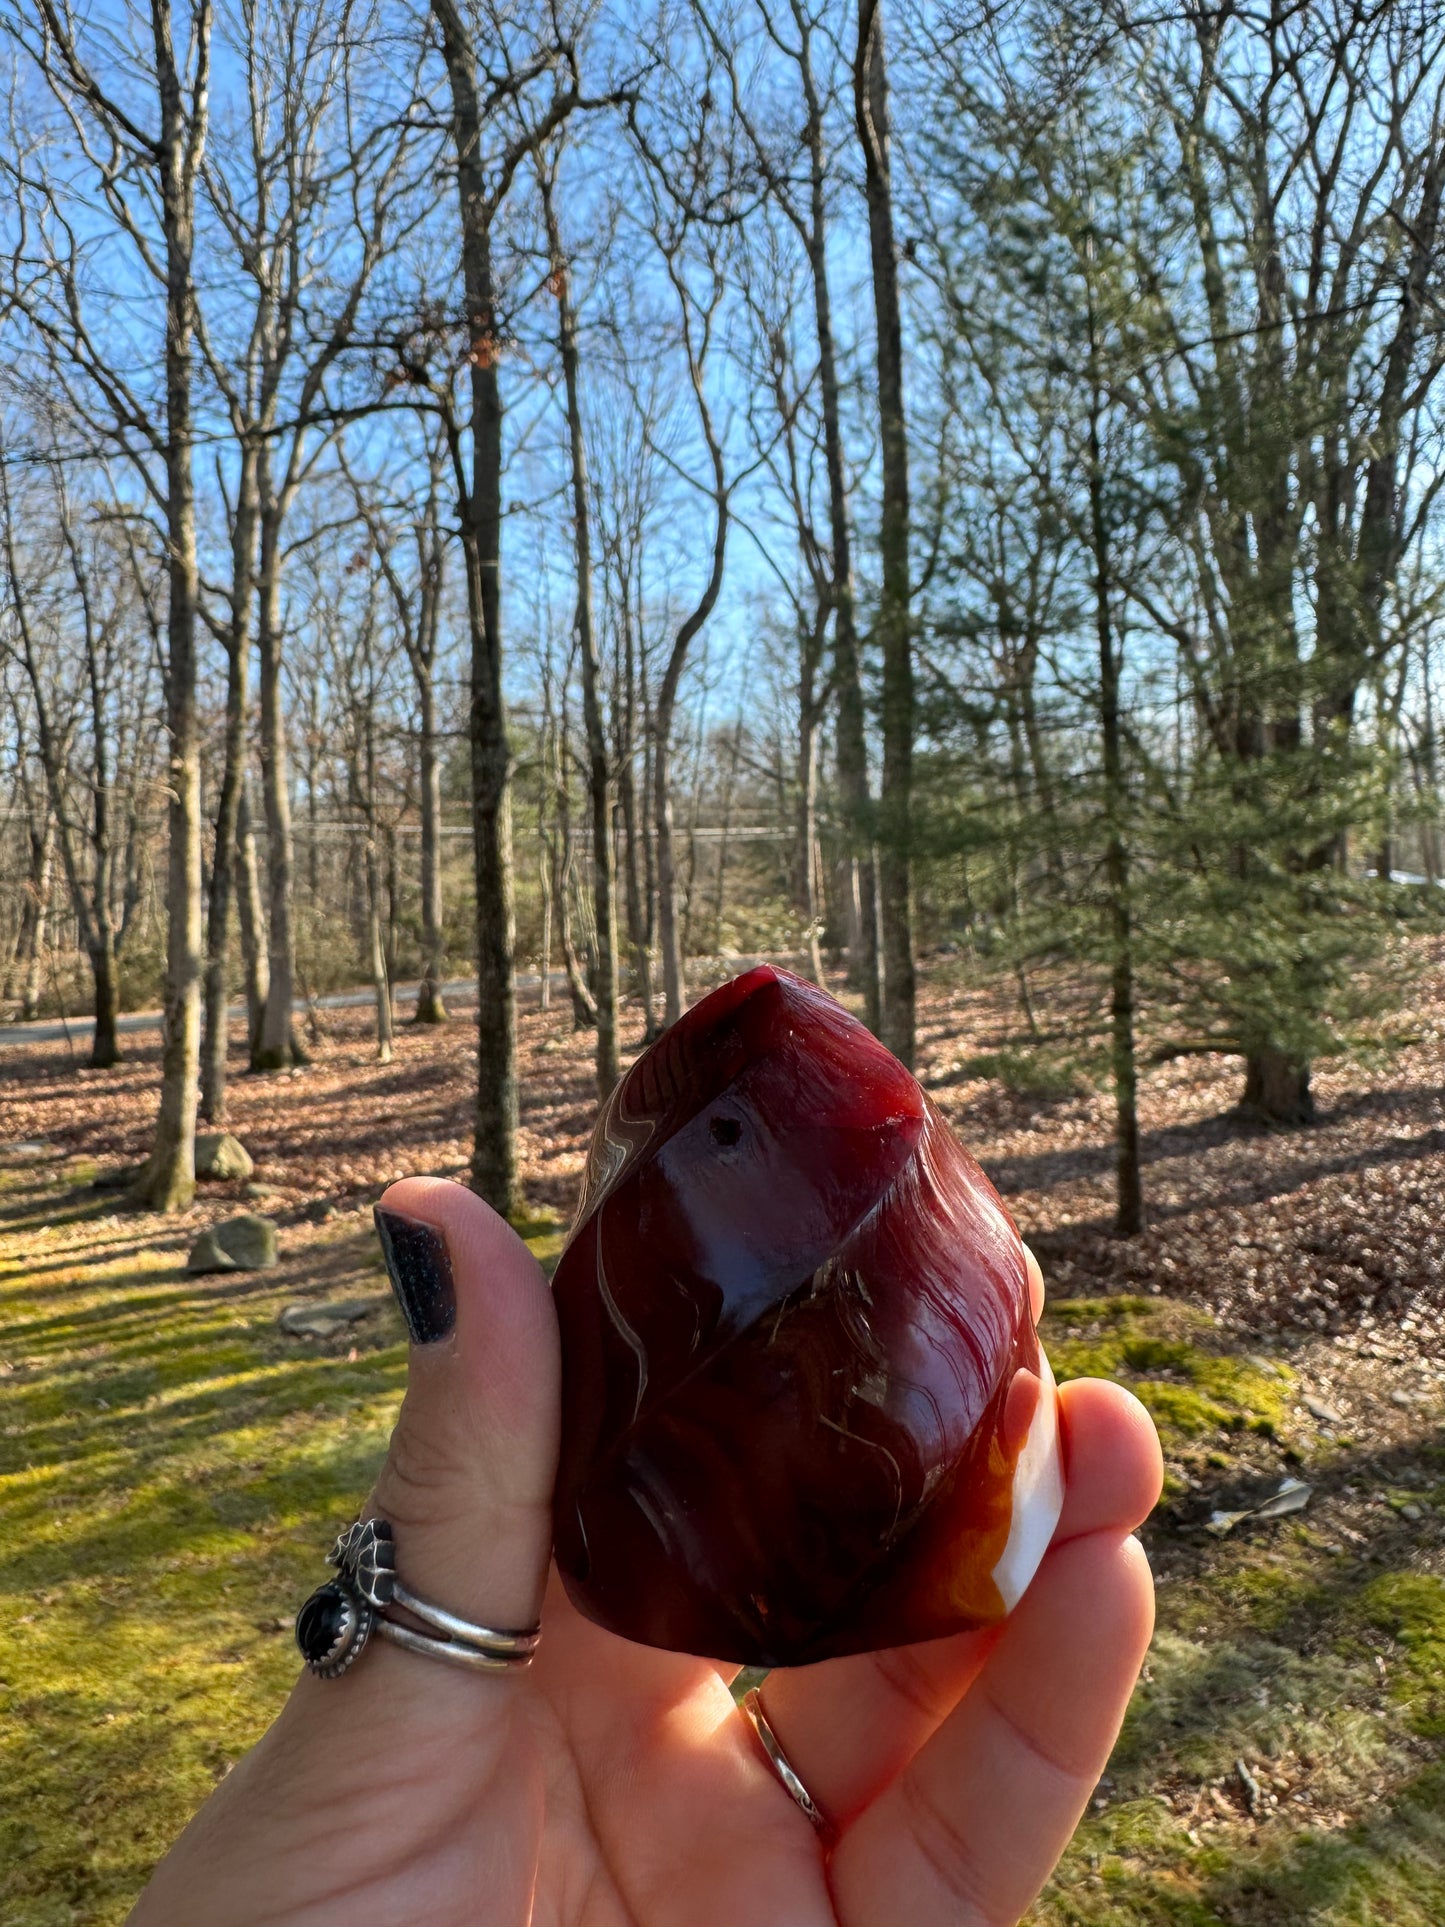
(610, 1783)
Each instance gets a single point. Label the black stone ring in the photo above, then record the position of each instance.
(334, 1625)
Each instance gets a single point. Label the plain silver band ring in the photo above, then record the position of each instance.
(508, 1648)
(779, 1761)
(455, 1652)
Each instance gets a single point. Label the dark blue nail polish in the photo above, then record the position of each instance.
(421, 1274)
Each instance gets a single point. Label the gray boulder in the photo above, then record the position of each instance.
(247, 1243)
(219, 1155)
(325, 1320)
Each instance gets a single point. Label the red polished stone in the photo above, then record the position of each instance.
(803, 1400)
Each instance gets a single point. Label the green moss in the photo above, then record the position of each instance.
(547, 1248)
(1073, 1312)
(544, 1237)
(171, 1467)
(1409, 1607)
(1387, 1871)
(1269, 1671)
(1172, 1358)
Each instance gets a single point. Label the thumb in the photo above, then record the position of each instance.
(363, 1799)
(467, 1483)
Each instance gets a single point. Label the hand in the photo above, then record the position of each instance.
(610, 1783)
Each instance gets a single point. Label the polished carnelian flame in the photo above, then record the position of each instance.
(805, 1412)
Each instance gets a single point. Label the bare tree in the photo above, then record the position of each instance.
(599, 774)
(226, 853)
(894, 623)
(692, 218)
(555, 828)
(31, 802)
(625, 502)
(359, 661)
(416, 601)
(805, 205)
(1129, 1210)
(321, 175)
(495, 128)
(65, 682)
(146, 179)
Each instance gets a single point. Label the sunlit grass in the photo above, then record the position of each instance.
(171, 1469)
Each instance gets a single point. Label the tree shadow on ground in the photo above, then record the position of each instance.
(1045, 1170)
(148, 1504)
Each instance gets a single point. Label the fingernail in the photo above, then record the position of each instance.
(421, 1274)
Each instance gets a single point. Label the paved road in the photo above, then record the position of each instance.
(48, 1031)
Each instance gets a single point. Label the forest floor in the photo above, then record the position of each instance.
(171, 1462)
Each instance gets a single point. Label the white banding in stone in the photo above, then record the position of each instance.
(1038, 1495)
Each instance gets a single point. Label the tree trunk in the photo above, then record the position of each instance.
(91, 906)
(895, 801)
(228, 809)
(584, 1008)
(669, 935)
(1129, 1210)
(808, 846)
(380, 976)
(544, 872)
(37, 913)
(393, 897)
(168, 1180)
(865, 962)
(638, 934)
(720, 885)
(279, 1046)
(1277, 1087)
(430, 1008)
(1429, 757)
(688, 892)
(313, 816)
(105, 1045)
(850, 895)
(559, 850)
(599, 775)
(253, 918)
(805, 861)
(494, 1146)
(649, 840)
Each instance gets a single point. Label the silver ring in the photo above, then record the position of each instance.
(779, 1761)
(455, 1652)
(335, 1623)
(512, 1649)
